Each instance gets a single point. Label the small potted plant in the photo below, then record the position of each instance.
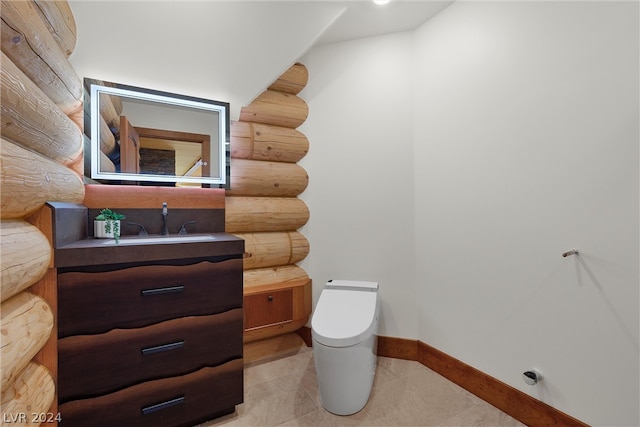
(107, 225)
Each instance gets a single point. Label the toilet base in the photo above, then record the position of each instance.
(345, 375)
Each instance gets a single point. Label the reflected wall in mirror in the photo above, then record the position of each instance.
(149, 137)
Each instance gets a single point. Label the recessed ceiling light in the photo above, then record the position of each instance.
(381, 2)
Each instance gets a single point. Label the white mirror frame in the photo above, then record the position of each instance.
(221, 108)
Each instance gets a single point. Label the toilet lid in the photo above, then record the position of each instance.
(344, 317)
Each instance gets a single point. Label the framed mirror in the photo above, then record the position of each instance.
(150, 137)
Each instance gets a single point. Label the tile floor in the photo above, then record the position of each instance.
(284, 392)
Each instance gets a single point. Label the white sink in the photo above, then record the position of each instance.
(160, 240)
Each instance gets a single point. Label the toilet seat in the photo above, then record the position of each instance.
(345, 314)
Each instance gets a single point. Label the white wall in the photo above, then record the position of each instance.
(525, 145)
(360, 133)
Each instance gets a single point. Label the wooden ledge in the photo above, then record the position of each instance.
(140, 197)
(250, 290)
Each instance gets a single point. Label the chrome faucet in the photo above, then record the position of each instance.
(165, 212)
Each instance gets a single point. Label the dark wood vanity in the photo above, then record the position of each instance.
(149, 334)
(161, 342)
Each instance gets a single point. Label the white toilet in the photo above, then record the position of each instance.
(344, 329)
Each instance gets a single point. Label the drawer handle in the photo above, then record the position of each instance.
(164, 405)
(164, 347)
(270, 298)
(161, 291)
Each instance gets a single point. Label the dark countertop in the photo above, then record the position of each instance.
(134, 249)
(74, 245)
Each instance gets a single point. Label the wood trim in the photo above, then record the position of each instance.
(398, 348)
(171, 136)
(509, 400)
(147, 197)
(47, 288)
(129, 147)
(517, 404)
(48, 354)
(272, 331)
(305, 334)
(43, 219)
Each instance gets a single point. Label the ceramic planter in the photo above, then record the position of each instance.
(106, 229)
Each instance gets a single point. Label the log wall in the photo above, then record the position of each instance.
(41, 160)
(262, 205)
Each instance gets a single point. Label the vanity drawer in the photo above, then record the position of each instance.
(268, 308)
(177, 401)
(96, 302)
(89, 365)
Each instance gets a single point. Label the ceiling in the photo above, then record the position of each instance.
(221, 49)
(365, 19)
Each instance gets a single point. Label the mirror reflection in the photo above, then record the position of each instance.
(151, 137)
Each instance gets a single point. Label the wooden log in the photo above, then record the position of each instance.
(77, 117)
(299, 247)
(271, 249)
(32, 120)
(266, 134)
(33, 392)
(114, 101)
(77, 165)
(110, 106)
(108, 111)
(25, 324)
(258, 178)
(27, 41)
(106, 165)
(276, 108)
(26, 254)
(87, 147)
(256, 141)
(252, 214)
(86, 113)
(107, 140)
(29, 180)
(260, 278)
(293, 80)
(58, 18)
